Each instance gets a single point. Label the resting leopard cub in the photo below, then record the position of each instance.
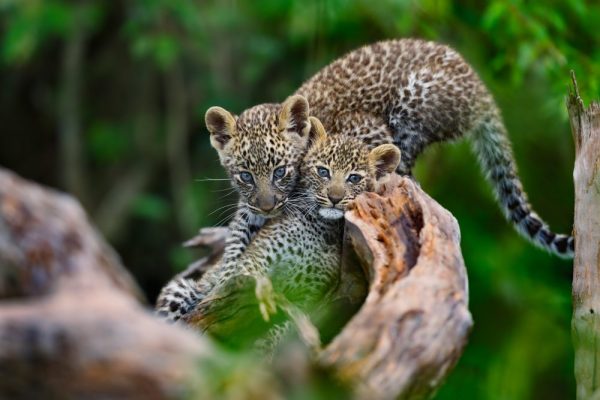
(298, 253)
(407, 92)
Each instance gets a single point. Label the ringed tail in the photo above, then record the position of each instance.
(491, 144)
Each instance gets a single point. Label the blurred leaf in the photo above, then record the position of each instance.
(493, 14)
(108, 143)
(33, 22)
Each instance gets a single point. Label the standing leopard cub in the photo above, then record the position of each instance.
(408, 92)
(298, 253)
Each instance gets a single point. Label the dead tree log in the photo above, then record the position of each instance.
(585, 126)
(71, 324)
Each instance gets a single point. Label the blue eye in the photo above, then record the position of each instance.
(246, 177)
(279, 172)
(323, 172)
(354, 179)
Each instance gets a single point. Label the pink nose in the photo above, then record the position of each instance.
(266, 203)
(334, 198)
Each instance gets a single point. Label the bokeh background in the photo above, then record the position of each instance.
(105, 100)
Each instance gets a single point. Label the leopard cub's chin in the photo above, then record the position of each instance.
(331, 213)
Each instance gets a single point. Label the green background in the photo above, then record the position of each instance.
(105, 99)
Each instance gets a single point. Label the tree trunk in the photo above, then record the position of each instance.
(71, 325)
(585, 125)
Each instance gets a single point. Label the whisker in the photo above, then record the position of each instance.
(211, 179)
(224, 221)
(224, 196)
(227, 189)
(224, 208)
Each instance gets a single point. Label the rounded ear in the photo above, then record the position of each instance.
(317, 132)
(385, 158)
(293, 116)
(221, 126)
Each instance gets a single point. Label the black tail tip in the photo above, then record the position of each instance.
(564, 246)
(572, 244)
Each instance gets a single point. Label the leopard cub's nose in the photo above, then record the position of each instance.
(266, 203)
(334, 198)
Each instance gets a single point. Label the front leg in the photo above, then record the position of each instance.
(180, 295)
(266, 346)
(243, 228)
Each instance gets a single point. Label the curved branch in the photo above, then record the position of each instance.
(415, 322)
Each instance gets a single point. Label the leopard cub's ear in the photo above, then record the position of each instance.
(385, 158)
(221, 126)
(317, 132)
(293, 117)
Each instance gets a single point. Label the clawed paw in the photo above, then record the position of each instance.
(266, 297)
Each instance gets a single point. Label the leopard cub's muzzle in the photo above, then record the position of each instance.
(267, 203)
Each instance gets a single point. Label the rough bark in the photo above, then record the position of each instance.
(585, 126)
(71, 324)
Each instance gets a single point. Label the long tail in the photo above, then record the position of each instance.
(494, 151)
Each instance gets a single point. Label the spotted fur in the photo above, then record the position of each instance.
(411, 93)
(183, 292)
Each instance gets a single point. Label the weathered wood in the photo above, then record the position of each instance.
(415, 322)
(585, 126)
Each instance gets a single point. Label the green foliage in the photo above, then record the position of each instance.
(150, 65)
(30, 23)
(108, 143)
